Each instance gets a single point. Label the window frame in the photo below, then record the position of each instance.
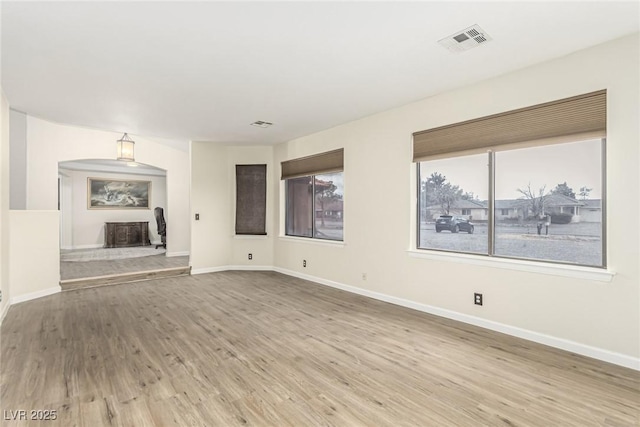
(313, 210)
(242, 221)
(492, 215)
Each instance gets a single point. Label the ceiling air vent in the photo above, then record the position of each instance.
(465, 39)
(262, 124)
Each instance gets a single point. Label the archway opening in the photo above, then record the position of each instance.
(111, 215)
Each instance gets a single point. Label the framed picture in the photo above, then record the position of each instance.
(118, 194)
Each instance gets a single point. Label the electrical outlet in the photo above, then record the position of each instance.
(304, 263)
(0, 296)
(477, 298)
(198, 217)
(250, 257)
(364, 276)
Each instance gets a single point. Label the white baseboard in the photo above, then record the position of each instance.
(182, 253)
(33, 295)
(563, 344)
(205, 270)
(231, 268)
(246, 267)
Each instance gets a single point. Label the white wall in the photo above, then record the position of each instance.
(210, 238)
(49, 143)
(66, 209)
(18, 162)
(87, 225)
(587, 314)
(34, 264)
(214, 244)
(260, 247)
(4, 205)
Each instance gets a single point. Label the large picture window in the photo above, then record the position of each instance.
(526, 184)
(547, 203)
(314, 193)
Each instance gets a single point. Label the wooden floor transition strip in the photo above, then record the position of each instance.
(117, 279)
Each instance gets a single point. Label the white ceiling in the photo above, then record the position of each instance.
(206, 70)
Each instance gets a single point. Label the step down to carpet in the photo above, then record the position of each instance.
(118, 279)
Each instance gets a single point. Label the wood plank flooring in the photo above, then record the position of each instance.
(118, 279)
(265, 349)
(77, 270)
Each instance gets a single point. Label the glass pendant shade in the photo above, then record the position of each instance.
(125, 148)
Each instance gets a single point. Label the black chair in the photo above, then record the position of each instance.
(162, 226)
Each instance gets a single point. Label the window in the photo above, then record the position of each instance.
(537, 191)
(544, 186)
(445, 185)
(320, 216)
(314, 202)
(251, 199)
(299, 220)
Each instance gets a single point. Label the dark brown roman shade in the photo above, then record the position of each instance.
(548, 123)
(251, 199)
(331, 161)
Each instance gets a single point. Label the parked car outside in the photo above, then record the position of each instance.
(453, 224)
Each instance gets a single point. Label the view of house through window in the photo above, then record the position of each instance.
(453, 210)
(314, 206)
(547, 203)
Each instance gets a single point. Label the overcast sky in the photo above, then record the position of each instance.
(577, 163)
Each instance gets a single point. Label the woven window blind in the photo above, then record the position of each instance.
(548, 123)
(251, 199)
(331, 161)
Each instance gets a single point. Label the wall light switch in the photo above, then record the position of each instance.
(197, 217)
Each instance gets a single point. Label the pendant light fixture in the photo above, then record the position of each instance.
(125, 148)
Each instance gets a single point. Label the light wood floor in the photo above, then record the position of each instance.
(76, 270)
(264, 349)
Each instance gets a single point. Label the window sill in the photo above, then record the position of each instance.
(579, 272)
(250, 236)
(312, 241)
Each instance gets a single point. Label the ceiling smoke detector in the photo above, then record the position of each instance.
(262, 124)
(465, 39)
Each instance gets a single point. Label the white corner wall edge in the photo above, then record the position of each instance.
(33, 295)
(571, 346)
